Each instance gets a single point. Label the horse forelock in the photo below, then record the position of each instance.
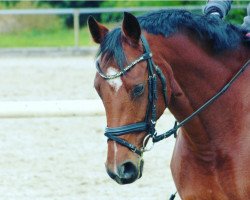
(112, 47)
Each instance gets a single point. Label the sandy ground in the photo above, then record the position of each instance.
(55, 78)
(63, 158)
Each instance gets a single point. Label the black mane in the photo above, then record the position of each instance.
(210, 29)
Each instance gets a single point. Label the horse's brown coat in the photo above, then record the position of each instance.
(211, 156)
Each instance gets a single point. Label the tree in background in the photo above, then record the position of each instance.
(125, 4)
(8, 3)
(235, 16)
(68, 19)
(73, 4)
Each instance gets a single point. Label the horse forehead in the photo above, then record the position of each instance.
(115, 83)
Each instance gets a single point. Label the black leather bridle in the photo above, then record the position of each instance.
(148, 124)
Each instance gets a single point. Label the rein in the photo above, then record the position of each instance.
(148, 124)
(172, 131)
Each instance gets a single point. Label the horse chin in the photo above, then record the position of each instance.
(122, 181)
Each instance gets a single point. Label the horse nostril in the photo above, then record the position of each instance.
(128, 171)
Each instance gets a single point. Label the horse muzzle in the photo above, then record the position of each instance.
(127, 172)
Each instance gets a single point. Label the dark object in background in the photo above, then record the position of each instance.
(220, 8)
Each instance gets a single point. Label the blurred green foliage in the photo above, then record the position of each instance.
(20, 23)
(235, 16)
(68, 19)
(130, 3)
(73, 4)
(8, 4)
(54, 30)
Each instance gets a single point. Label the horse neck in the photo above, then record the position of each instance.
(196, 77)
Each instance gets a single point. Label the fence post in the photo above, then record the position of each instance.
(76, 27)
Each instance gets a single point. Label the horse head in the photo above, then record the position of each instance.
(124, 84)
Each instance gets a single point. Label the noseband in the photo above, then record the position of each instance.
(148, 125)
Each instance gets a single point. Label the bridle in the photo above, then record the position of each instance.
(149, 122)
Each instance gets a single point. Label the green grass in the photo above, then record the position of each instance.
(63, 37)
(44, 38)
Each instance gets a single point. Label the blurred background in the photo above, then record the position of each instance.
(51, 120)
(22, 25)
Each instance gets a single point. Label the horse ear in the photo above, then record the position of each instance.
(131, 27)
(97, 30)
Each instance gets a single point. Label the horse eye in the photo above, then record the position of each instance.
(138, 90)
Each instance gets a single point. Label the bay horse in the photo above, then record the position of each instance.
(178, 60)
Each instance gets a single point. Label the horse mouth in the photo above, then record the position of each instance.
(123, 180)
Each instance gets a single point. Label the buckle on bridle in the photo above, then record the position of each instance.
(144, 144)
(153, 122)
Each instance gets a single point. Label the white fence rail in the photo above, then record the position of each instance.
(63, 11)
(61, 108)
(77, 12)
